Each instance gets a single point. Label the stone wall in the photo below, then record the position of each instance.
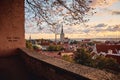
(11, 26)
(51, 68)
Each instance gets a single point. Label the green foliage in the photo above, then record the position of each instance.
(90, 43)
(35, 47)
(101, 62)
(82, 57)
(111, 62)
(29, 45)
(54, 48)
(74, 42)
(67, 58)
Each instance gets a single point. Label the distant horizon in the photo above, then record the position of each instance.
(74, 38)
(70, 36)
(79, 38)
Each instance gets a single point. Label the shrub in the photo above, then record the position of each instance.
(67, 58)
(90, 43)
(29, 45)
(104, 62)
(54, 48)
(101, 62)
(35, 47)
(82, 57)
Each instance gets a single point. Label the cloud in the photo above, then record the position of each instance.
(106, 11)
(103, 28)
(101, 25)
(115, 12)
(86, 31)
(102, 3)
(113, 28)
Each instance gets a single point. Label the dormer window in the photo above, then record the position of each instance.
(110, 51)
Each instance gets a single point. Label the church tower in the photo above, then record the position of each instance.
(30, 38)
(62, 35)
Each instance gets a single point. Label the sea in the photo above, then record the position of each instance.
(98, 39)
(94, 39)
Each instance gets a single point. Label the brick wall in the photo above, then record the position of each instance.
(11, 26)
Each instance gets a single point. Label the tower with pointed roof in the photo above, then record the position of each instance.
(62, 35)
(30, 37)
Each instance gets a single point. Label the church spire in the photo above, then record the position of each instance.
(62, 29)
(62, 35)
(30, 37)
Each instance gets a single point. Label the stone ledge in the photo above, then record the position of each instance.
(77, 69)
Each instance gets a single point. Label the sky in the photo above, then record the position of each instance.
(105, 23)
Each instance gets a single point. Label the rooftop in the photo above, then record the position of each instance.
(105, 48)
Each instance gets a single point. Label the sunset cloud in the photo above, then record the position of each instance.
(102, 3)
(116, 12)
(114, 28)
(111, 11)
(101, 25)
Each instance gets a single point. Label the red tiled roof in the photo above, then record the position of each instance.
(105, 48)
(86, 39)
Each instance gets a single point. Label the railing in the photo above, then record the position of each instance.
(57, 69)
